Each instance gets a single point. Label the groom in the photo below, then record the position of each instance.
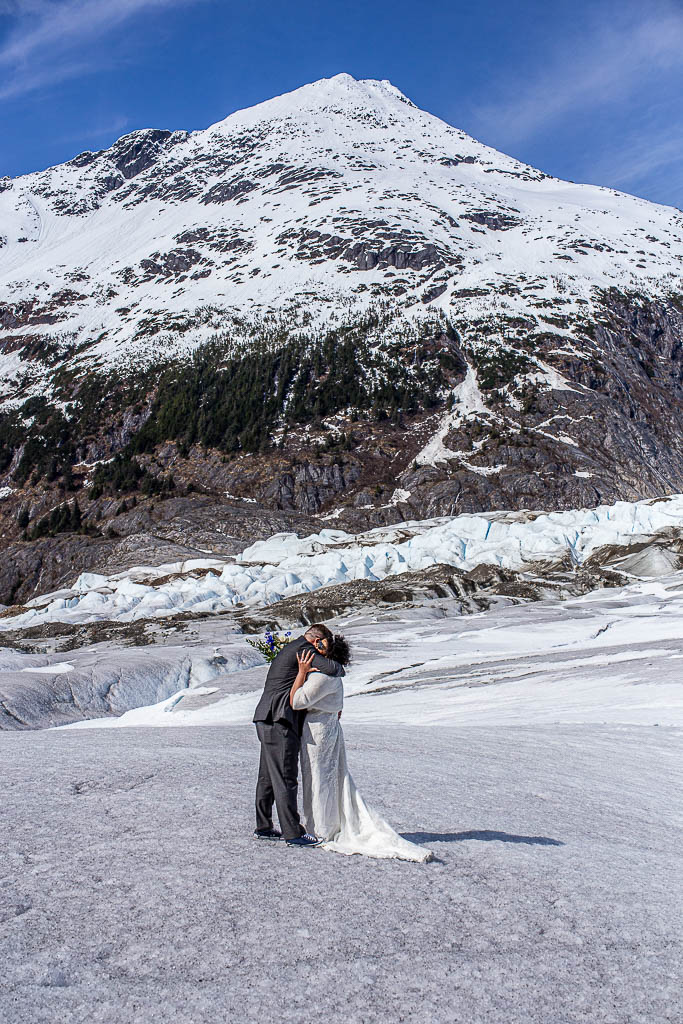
(278, 727)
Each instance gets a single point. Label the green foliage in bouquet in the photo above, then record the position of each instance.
(271, 645)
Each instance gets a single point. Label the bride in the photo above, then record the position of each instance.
(333, 807)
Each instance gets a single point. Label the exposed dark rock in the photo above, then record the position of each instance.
(25, 314)
(433, 293)
(85, 159)
(438, 585)
(225, 191)
(377, 245)
(365, 258)
(176, 529)
(494, 219)
(218, 239)
(137, 151)
(296, 176)
(170, 264)
(453, 161)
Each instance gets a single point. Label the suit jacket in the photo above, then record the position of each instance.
(274, 704)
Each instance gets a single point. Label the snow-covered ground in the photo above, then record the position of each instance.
(536, 749)
(612, 656)
(286, 565)
(131, 890)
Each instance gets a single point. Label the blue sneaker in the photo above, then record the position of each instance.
(304, 840)
(267, 833)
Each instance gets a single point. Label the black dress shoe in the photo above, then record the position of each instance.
(267, 833)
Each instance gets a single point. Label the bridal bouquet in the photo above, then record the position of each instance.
(271, 645)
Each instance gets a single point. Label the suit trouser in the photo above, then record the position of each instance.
(278, 777)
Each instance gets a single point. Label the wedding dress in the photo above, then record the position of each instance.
(333, 807)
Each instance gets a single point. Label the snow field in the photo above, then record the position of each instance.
(610, 657)
(132, 889)
(536, 749)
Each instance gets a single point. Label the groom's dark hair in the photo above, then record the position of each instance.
(319, 632)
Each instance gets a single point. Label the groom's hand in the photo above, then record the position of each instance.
(306, 662)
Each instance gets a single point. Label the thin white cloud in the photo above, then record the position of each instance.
(634, 163)
(607, 63)
(114, 128)
(13, 8)
(48, 75)
(622, 69)
(45, 43)
(646, 162)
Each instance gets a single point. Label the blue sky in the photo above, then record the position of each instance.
(590, 90)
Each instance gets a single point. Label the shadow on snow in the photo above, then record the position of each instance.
(485, 835)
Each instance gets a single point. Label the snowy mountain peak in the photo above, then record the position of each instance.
(319, 210)
(365, 91)
(342, 90)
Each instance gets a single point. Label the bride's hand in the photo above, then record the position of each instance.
(306, 662)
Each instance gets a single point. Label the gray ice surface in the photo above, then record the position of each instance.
(131, 889)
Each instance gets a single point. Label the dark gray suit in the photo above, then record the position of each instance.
(278, 727)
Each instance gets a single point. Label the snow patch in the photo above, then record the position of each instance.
(468, 402)
(57, 669)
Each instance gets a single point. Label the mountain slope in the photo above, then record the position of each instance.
(331, 303)
(326, 198)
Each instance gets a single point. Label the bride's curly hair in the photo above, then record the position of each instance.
(340, 650)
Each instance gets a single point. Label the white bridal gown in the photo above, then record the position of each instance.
(333, 807)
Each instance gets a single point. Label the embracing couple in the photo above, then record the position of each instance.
(298, 719)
